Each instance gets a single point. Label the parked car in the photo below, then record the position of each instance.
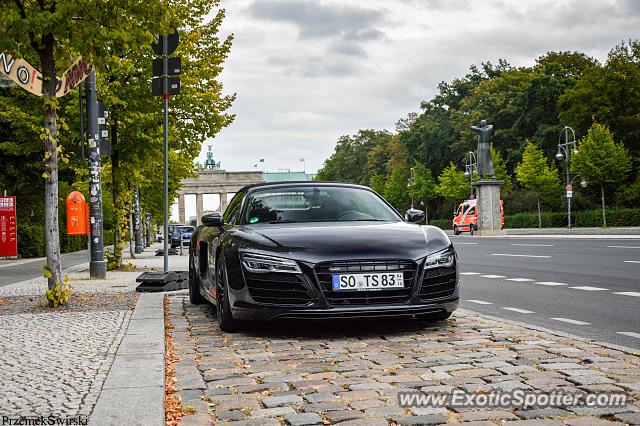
(181, 233)
(320, 250)
(465, 218)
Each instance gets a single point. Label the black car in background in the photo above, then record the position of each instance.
(181, 233)
(320, 250)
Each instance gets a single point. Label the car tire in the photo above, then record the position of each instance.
(456, 231)
(194, 287)
(226, 322)
(438, 316)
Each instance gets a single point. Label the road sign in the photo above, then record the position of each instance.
(173, 85)
(172, 41)
(569, 187)
(8, 227)
(174, 66)
(569, 194)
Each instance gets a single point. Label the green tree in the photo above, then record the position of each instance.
(500, 170)
(423, 187)
(349, 161)
(535, 173)
(51, 31)
(377, 184)
(395, 189)
(452, 185)
(601, 161)
(197, 113)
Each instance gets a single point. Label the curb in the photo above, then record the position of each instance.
(625, 349)
(134, 390)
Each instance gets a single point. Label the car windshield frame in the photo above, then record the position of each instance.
(391, 214)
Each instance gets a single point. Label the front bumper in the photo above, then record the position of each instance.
(309, 295)
(268, 313)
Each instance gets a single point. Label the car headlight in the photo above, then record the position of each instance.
(259, 263)
(442, 259)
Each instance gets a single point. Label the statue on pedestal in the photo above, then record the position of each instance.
(485, 162)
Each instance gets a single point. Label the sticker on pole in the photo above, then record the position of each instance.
(569, 188)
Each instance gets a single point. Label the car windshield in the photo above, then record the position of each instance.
(316, 204)
(183, 229)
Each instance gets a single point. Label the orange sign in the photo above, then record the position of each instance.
(76, 214)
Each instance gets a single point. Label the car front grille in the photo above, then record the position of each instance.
(324, 272)
(438, 283)
(279, 288)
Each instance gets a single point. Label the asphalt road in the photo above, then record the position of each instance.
(586, 287)
(25, 271)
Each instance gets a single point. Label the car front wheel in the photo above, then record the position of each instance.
(226, 322)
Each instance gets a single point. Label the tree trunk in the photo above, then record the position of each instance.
(604, 213)
(539, 214)
(52, 235)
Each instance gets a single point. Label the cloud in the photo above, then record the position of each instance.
(307, 72)
(318, 20)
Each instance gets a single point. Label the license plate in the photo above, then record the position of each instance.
(367, 282)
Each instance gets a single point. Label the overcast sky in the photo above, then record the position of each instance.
(307, 72)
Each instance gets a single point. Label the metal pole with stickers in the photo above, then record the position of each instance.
(97, 265)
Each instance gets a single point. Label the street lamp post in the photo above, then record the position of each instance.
(410, 185)
(565, 149)
(469, 166)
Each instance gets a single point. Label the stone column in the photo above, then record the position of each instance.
(488, 207)
(199, 209)
(181, 217)
(223, 202)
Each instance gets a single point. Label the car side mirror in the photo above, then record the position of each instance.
(414, 216)
(212, 219)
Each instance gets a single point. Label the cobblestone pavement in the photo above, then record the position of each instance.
(350, 373)
(54, 362)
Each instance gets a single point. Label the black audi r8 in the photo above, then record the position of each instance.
(320, 250)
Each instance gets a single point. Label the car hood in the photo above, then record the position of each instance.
(319, 242)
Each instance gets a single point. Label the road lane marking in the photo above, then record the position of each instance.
(632, 261)
(570, 321)
(519, 279)
(522, 311)
(480, 302)
(589, 288)
(532, 245)
(629, 333)
(492, 276)
(455, 242)
(549, 283)
(628, 293)
(469, 273)
(521, 255)
(631, 247)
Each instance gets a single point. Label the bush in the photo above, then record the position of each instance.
(442, 223)
(581, 219)
(31, 240)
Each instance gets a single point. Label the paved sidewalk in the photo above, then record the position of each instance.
(95, 352)
(300, 373)
(133, 393)
(604, 233)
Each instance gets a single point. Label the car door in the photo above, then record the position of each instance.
(212, 241)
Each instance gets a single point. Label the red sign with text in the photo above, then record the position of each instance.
(8, 227)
